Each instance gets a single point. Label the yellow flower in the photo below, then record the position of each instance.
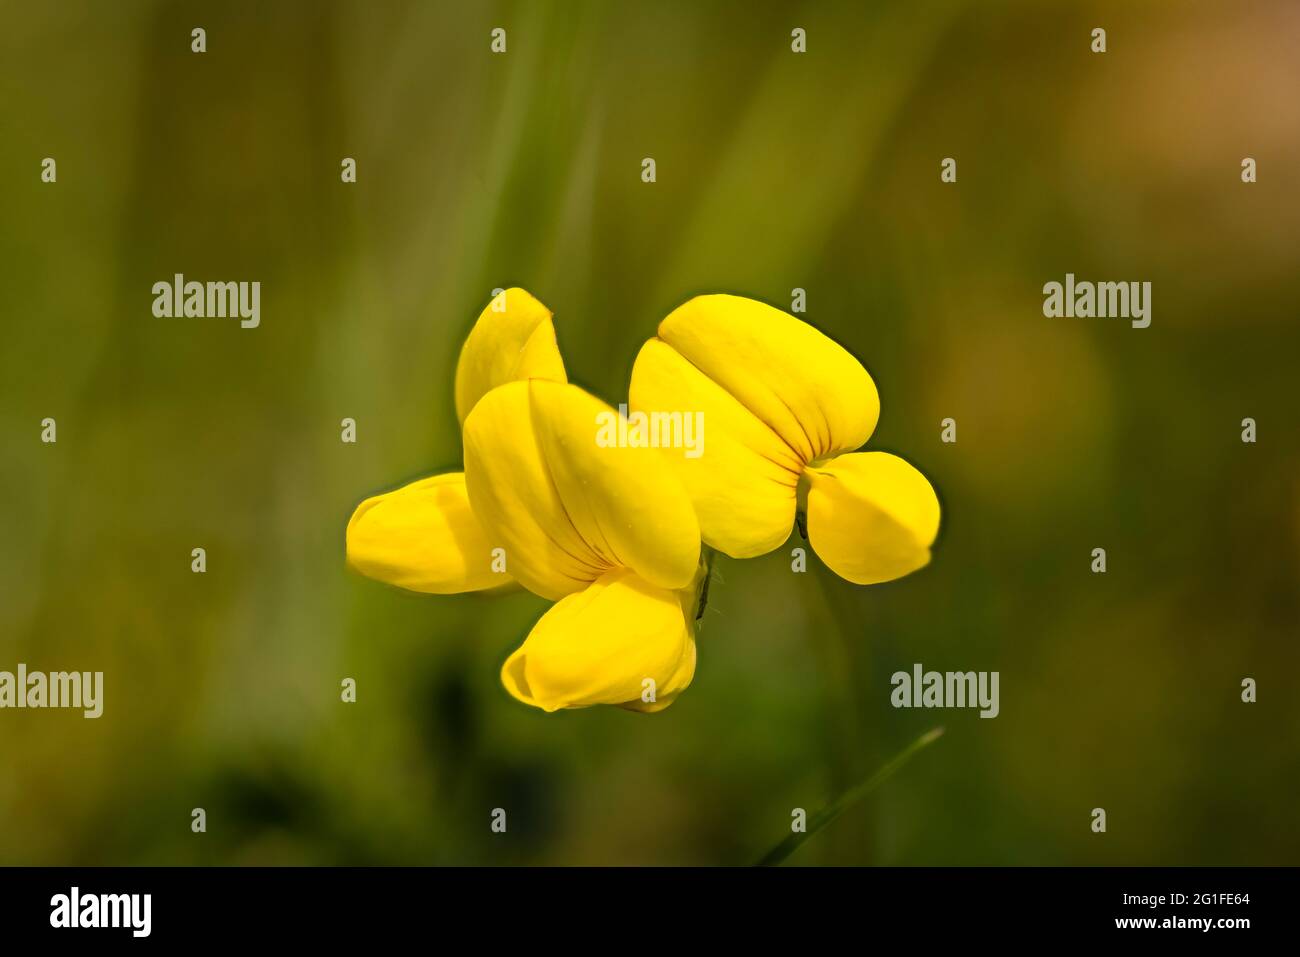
(611, 532)
(423, 536)
(608, 532)
(783, 402)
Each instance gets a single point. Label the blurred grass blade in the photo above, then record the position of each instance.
(846, 800)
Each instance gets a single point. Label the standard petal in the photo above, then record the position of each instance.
(804, 385)
(423, 537)
(744, 479)
(515, 499)
(626, 502)
(568, 508)
(619, 642)
(872, 517)
(512, 339)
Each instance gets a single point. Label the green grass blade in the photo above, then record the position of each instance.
(846, 800)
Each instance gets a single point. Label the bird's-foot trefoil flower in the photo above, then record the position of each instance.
(786, 408)
(607, 532)
(611, 531)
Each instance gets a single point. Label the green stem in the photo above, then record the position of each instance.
(846, 800)
(851, 737)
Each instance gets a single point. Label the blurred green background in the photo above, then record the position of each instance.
(775, 171)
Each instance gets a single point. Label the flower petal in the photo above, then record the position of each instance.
(600, 646)
(744, 481)
(872, 517)
(567, 508)
(513, 496)
(513, 338)
(423, 537)
(625, 501)
(804, 385)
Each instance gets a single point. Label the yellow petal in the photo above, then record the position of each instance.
(512, 339)
(424, 537)
(514, 498)
(744, 480)
(626, 502)
(872, 517)
(566, 508)
(805, 386)
(618, 642)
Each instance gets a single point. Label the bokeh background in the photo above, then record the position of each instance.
(775, 171)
